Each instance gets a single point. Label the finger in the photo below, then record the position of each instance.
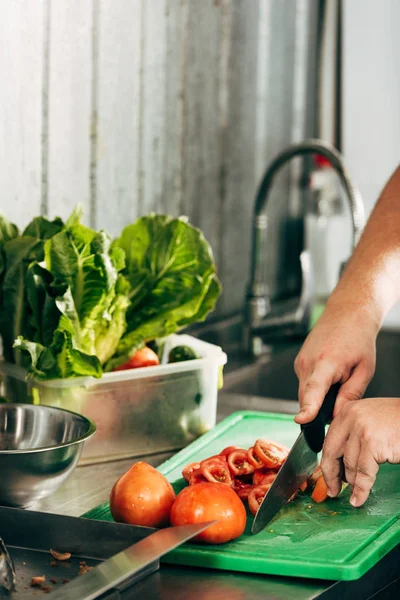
(350, 458)
(314, 390)
(367, 468)
(302, 383)
(354, 387)
(332, 453)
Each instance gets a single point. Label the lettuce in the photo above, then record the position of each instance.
(73, 304)
(78, 302)
(17, 253)
(172, 275)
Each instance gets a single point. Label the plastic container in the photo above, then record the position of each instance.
(138, 411)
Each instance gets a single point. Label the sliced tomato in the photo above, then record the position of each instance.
(188, 470)
(253, 459)
(263, 477)
(226, 451)
(272, 454)
(320, 491)
(312, 480)
(303, 486)
(242, 489)
(196, 476)
(238, 463)
(256, 496)
(215, 470)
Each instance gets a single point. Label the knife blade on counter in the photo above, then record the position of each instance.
(123, 565)
(299, 465)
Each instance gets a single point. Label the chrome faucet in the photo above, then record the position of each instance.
(294, 314)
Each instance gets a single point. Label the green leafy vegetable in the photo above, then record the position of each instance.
(17, 253)
(73, 304)
(60, 359)
(78, 302)
(171, 271)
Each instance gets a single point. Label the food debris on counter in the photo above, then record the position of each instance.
(46, 589)
(84, 568)
(38, 580)
(60, 555)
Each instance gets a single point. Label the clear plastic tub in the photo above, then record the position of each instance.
(139, 411)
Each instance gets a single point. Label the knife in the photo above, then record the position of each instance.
(117, 569)
(7, 570)
(299, 465)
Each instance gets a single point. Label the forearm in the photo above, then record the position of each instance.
(371, 280)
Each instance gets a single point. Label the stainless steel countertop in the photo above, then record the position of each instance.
(90, 485)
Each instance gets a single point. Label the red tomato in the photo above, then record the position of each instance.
(256, 496)
(312, 480)
(263, 477)
(188, 470)
(145, 357)
(210, 502)
(228, 450)
(253, 459)
(142, 496)
(303, 486)
(238, 463)
(272, 454)
(241, 488)
(197, 477)
(215, 470)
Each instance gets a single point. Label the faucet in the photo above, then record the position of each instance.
(293, 314)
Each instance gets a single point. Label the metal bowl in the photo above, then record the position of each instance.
(40, 447)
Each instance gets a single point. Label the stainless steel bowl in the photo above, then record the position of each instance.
(40, 447)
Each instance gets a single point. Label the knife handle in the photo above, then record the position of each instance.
(314, 432)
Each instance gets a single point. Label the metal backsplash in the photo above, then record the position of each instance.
(129, 106)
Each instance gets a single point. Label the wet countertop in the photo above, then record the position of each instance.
(90, 485)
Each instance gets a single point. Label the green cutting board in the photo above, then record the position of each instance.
(331, 540)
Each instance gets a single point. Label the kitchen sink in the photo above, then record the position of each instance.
(274, 377)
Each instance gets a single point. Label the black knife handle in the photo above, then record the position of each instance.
(314, 432)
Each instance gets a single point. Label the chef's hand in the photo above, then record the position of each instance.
(363, 435)
(340, 348)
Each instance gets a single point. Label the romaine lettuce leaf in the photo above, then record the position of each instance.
(60, 360)
(17, 252)
(78, 302)
(171, 271)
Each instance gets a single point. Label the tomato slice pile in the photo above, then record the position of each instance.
(249, 472)
(215, 469)
(273, 455)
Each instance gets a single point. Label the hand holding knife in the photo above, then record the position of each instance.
(299, 465)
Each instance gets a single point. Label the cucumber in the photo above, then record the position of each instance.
(181, 353)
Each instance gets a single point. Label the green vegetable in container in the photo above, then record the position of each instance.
(76, 304)
(171, 271)
(181, 353)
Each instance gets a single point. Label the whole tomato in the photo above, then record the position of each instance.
(142, 496)
(210, 502)
(145, 357)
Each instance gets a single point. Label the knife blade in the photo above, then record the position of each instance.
(7, 570)
(123, 565)
(299, 465)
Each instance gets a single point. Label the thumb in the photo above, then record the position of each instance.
(354, 387)
(314, 390)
